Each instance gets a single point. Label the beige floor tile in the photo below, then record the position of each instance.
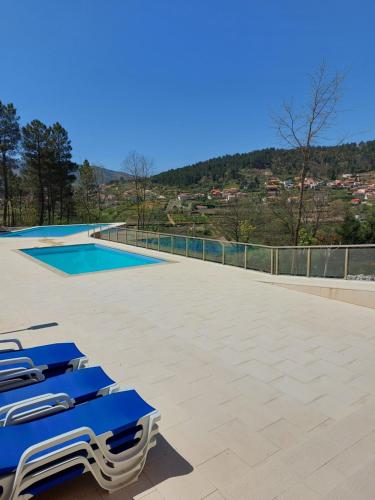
(214, 496)
(299, 492)
(250, 446)
(224, 469)
(264, 482)
(296, 412)
(303, 392)
(309, 456)
(325, 479)
(331, 407)
(283, 434)
(352, 459)
(260, 371)
(196, 445)
(154, 495)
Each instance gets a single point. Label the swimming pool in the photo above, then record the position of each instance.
(48, 231)
(88, 258)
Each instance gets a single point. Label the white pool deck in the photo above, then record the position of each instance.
(265, 393)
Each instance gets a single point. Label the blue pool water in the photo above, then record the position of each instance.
(88, 258)
(48, 231)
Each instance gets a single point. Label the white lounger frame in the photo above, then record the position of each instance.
(111, 471)
(27, 373)
(43, 405)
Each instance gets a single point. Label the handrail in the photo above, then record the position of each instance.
(228, 242)
(301, 260)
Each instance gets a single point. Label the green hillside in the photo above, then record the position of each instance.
(328, 163)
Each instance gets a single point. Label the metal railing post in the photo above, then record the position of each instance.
(308, 262)
(222, 253)
(117, 234)
(276, 261)
(245, 257)
(172, 244)
(186, 247)
(272, 260)
(346, 263)
(159, 242)
(204, 250)
(136, 238)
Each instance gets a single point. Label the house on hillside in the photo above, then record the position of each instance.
(216, 193)
(310, 183)
(288, 184)
(185, 197)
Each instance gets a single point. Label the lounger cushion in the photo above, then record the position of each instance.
(113, 413)
(50, 355)
(79, 385)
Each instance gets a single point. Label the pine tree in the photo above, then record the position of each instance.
(9, 140)
(36, 152)
(87, 191)
(61, 172)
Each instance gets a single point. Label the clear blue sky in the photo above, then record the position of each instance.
(180, 80)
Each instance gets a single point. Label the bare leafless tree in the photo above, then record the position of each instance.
(307, 127)
(235, 222)
(139, 168)
(319, 209)
(283, 212)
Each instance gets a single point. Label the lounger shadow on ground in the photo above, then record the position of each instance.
(32, 327)
(163, 462)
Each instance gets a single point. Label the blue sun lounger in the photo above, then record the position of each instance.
(17, 405)
(109, 437)
(24, 365)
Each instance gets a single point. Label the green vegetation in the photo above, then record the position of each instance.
(247, 169)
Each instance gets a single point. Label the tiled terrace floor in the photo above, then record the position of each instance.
(265, 393)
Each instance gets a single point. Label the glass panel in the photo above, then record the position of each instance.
(152, 241)
(327, 262)
(361, 263)
(234, 254)
(165, 243)
(112, 234)
(213, 251)
(259, 258)
(104, 235)
(195, 248)
(121, 235)
(141, 239)
(293, 261)
(130, 237)
(179, 245)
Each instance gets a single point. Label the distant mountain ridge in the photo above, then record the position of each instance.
(328, 162)
(106, 175)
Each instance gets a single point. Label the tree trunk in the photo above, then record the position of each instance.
(49, 207)
(300, 206)
(301, 193)
(6, 189)
(41, 197)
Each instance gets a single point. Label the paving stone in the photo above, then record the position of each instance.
(283, 434)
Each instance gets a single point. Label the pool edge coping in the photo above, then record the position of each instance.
(67, 275)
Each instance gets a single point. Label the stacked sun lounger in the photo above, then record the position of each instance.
(58, 421)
